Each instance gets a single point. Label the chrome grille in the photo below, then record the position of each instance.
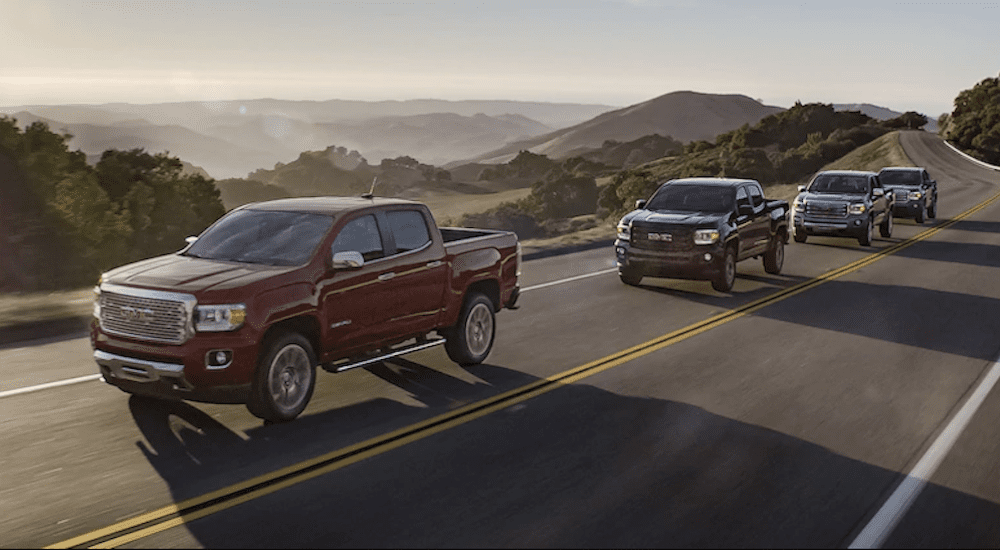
(826, 209)
(155, 319)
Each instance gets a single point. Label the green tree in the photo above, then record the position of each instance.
(974, 125)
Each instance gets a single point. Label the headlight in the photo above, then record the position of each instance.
(624, 231)
(520, 257)
(857, 208)
(706, 236)
(799, 204)
(219, 318)
(97, 297)
(915, 195)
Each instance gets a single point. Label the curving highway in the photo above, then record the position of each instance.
(845, 402)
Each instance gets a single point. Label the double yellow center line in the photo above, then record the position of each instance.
(192, 509)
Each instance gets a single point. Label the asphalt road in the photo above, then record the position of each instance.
(789, 419)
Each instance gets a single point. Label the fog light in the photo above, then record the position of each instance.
(708, 257)
(857, 222)
(218, 359)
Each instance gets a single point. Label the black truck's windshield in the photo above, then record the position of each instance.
(839, 183)
(900, 177)
(263, 237)
(692, 198)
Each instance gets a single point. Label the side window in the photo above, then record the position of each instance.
(742, 198)
(756, 196)
(361, 235)
(409, 229)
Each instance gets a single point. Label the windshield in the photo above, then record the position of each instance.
(900, 177)
(262, 237)
(692, 198)
(839, 183)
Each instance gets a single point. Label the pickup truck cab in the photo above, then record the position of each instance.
(698, 228)
(915, 194)
(843, 203)
(248, 310)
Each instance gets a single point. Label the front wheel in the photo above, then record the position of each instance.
(285, 378)
(774, 258)
(866, 238)
(800, 235)
(471, 339)
(920, 215)
(885, 229)
(724, 281)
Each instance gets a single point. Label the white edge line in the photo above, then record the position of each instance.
(882, 525)
(571, 279)
(30, 389)
(40, 387)
(969, 157)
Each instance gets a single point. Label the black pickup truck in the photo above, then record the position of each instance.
(914, 193)
(843, 203)
(698, 228)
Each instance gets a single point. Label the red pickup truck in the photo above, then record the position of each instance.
(248, 310)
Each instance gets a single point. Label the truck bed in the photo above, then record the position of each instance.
(459, 239)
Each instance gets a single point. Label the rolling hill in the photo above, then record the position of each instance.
(685, 116)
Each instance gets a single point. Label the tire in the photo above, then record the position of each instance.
(920, 215)
(932, 210)
(630, 276)
(800, 235)
(865, 239)
(885, 228)
(471, 339)
(284, 380)
(774, 258)
(726, 278)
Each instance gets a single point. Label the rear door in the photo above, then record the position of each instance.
(760, 228)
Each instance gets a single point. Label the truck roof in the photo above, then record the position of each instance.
(325, 205)
(719, 182)
(848, 172)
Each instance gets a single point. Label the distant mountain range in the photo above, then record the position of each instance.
(234, 138)
(231, 139)
(881, 113)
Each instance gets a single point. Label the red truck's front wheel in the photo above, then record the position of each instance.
(471, 339)
(285, 379)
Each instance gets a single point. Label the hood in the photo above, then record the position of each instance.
(668, 217)
(834, 197)
(178, 273)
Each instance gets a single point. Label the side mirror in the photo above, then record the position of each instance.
(350, 259)
(878, 192)
(802, 188)
(745, 210)
(190, 240)
(641, 203)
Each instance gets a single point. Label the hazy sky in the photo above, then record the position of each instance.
(902, 55)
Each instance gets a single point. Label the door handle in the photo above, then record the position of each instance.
(435, 263)
(386, 276)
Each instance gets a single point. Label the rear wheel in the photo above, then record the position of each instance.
(284, 380)
(471, 339)
(630, 275)
(774, 258)
(932, 209)
(885, 229)
(865, 239)
(726, 278)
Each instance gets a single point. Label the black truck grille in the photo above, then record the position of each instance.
(671, 239)
(826, 209)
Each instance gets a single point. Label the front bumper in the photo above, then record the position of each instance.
(700, 263)
(178, 371)
(908, 209)
(851, 226)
